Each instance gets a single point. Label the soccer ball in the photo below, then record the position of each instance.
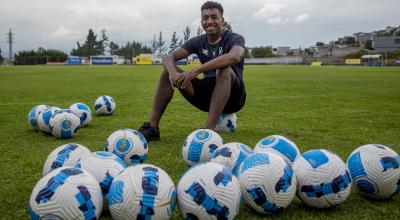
(65, 155)
(209, 191)
(129, 145)
(104, 105)
(375, 171)
(143, 191)
(226, 123)
(34, 114)
(83, 112)
(66, 193)
(64, 124)
(199, 146)
(104, 166)
(279, 145)
(267, 182)
(44, 118)
(231, 156)
(322, 179)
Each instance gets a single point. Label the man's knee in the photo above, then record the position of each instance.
(226, 75)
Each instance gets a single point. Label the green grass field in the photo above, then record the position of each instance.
(336, 108)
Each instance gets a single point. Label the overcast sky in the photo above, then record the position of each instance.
(59, 24)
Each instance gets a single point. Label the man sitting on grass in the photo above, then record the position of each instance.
(221, 90)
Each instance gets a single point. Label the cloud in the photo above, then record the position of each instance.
(301, 18)
(278, 20)
(62, 33)
(270, 9)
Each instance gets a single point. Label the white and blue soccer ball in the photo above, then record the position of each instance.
(65, 155)
(130, 145)
(375, 170)
(34, 114)
(44, 118)
(83, 112)
(209, 191)
(267, 182)
(322, 179)
(104, 105)
(66, 193)
(142, 191)
(64, 124)
(279, 145)
(231, 156)
(226, 123)
(104, 166)
(199, 145)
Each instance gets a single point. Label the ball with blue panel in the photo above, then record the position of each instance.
(199, 145)
(231, 155)
(83, 112)
(130, 145)
(104, 166)
(66, 193)
(65, 155)
(267, 182)
(104, 105)
(226, 123)
(279, 145)
(64, 124)
(375, 170)
(323, 179)
(44, 118)
(34, 114)
(209, 191)
(143, 191)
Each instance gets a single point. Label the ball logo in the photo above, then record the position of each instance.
(123, 145)
(202, 135)
(268, 140)
(66, 124)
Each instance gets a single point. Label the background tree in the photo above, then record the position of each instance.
(368, 45)
(174, 42)
(113, 48)
(1, 57)
(40, 56)
(227, 25)
(261, 52)
(158, 44)
(89, 48)
(247, 52)
(91, 44)
(199, 30)
(102, 44)
(186, 34)
(154, 44)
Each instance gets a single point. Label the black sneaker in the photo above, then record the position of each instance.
(150, 133)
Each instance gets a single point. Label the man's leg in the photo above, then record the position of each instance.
(161, 99)
(224, 80)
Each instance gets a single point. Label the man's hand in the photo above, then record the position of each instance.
(174, 77)
(185, 79)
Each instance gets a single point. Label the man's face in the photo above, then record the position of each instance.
(211, 21)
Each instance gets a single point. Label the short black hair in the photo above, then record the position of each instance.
(211, 5)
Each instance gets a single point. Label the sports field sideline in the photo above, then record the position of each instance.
(334, 108)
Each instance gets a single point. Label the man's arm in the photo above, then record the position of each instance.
(169, 64)
(231, 58)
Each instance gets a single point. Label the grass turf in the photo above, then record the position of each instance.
(336, 108)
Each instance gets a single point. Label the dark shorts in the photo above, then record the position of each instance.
(203, 89)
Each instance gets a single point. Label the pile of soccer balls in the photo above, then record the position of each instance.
(65, 123)
(269, 176)
(78, 184)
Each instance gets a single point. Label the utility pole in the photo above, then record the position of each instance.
(10, 38)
